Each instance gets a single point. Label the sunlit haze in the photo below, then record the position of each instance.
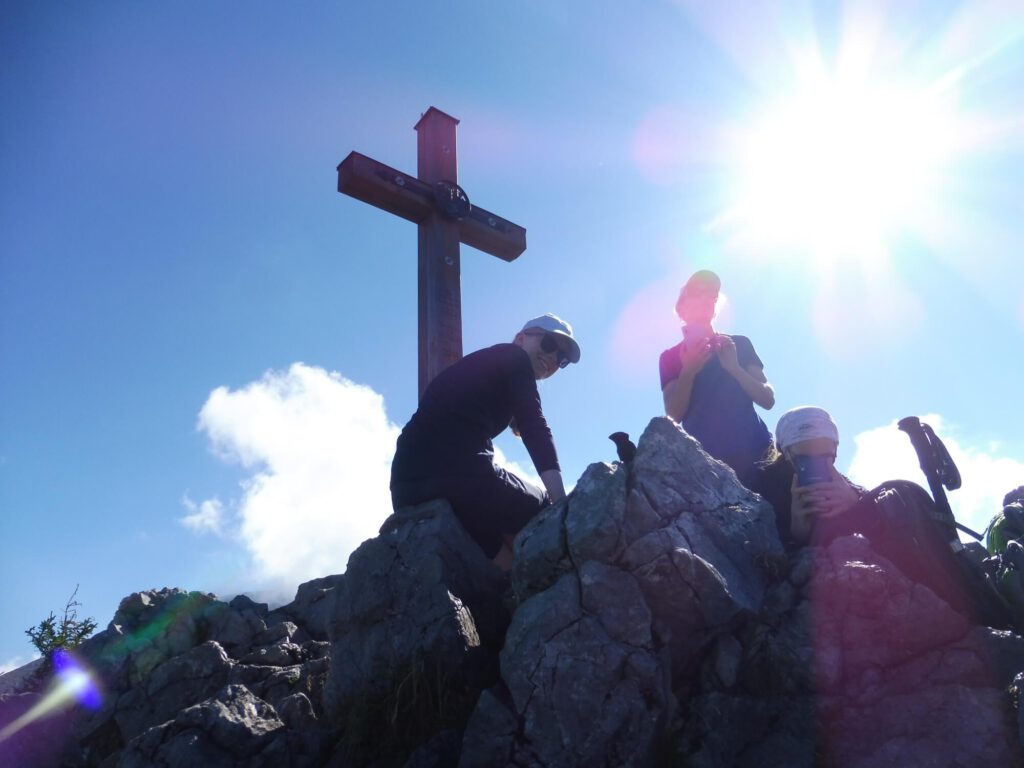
(842, 167)
(208, 352)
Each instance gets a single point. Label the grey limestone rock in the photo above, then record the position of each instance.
(312, 606)
(274, 684)
(279, 655)
(308, 739)
(660, 624)
(655, 621)
(541, 552)
(596, 514)
(590, 524)
(419, 606)
(235, 625)
(229, 729)
(148, 629)
(866, 669)
(585, 681)
(617, 603)
(281, 632)
(490, 735)
(189, 677)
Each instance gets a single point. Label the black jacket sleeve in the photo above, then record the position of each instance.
(529, 417)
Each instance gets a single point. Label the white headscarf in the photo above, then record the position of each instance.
(804, 423)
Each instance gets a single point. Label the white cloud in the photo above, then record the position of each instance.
(206, 517)
(528, 473)
(885, 453)
(516, 468)
(320, 447)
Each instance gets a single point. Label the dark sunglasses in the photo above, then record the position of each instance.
(549, 343)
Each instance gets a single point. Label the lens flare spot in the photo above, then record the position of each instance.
(647, 326)
(80, 684)
(72, 684)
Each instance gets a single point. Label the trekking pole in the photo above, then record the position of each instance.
(937, 465)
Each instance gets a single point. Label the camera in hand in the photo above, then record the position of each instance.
(811, 470)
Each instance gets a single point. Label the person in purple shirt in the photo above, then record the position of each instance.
(446, 449)
(711, 381)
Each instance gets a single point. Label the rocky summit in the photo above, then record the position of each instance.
(651, 619)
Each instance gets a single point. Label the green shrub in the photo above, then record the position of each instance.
(63, 634)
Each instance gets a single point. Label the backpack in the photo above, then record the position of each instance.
(1005, 541)
(1005, 527)
(906, 527)
(981, 577)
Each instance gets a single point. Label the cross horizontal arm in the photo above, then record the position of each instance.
(492, 234)
(384, 187)
(406, 196)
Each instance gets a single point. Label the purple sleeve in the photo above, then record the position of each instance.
(669, 365)
(745, 354)
(529, 417)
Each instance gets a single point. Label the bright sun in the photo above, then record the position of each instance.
(839, 169)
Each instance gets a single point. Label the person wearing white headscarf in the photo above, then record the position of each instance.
(807, 431)
(898, 517)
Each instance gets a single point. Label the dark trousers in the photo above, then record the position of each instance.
(488, 506)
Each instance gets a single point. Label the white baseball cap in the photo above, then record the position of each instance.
(804, 423)
(559, 327)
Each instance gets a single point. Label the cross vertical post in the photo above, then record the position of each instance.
(440, 296)
(444, 218)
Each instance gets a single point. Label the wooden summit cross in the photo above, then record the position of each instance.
(436, 203)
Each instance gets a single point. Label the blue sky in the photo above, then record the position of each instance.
(207, 351)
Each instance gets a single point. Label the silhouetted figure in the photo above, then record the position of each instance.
(445, 451)
(710, 382)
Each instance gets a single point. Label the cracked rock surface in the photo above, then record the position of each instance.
(651, 619)
(660, 624)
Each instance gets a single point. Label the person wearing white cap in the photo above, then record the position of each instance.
(445, 451)
(802, 482)
(815, 504)
(710, 381)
